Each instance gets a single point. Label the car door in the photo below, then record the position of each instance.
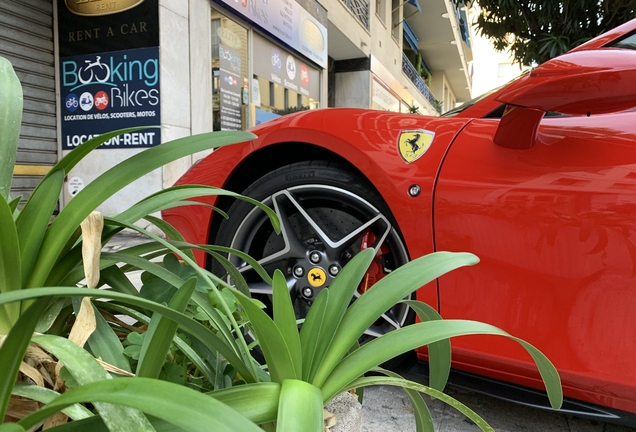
(554, 226)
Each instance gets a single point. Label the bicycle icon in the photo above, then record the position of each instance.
(71, 103)
(98, 70)
(276, 61)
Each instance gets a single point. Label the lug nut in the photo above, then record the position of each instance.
(314, 257)
(308, 292)
(334, 269)
(299, 271)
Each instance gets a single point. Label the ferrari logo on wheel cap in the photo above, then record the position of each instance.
(316, 277)
(412, 144)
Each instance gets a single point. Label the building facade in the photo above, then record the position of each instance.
(192, 66)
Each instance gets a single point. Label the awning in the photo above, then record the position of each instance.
(409, 35)
(415, 3)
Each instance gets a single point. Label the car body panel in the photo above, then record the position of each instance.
(555, 229)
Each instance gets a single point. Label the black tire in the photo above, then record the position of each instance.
(323, 208)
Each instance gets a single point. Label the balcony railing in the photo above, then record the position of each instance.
(360, 9)
(418, 82)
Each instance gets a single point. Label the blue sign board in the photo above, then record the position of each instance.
(102, 92)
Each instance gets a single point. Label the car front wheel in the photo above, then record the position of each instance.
(328, 214)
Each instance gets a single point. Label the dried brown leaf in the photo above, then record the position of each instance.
(92, 228)
(32, 373)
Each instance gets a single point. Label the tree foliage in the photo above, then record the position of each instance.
(537, 30)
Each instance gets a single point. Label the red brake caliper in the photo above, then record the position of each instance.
(376, 270)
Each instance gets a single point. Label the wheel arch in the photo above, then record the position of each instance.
(251, 169)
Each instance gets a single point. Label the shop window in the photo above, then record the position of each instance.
(282, 83)
(229, 73)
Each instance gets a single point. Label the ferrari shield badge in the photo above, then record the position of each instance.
(412, 144)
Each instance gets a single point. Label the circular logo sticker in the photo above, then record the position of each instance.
(101, 100)
(316, 277)
(75, 185)
(277, 62)
(304, 75)
(86, 101)
(72, 102)
(291, 67)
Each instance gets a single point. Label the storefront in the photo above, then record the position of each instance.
(189, 67)
(268, 60)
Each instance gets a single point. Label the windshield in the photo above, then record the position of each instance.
(473, 101)
(468, 104)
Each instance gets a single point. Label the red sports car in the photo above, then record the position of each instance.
(538, 179)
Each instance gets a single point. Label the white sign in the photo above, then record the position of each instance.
(384, 98)
(75, 185)
(256, 93)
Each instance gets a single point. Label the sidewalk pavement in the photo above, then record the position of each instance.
(387, 409)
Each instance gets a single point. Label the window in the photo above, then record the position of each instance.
(396, 9)
(628, 42)
(229, 73)
(380, 10)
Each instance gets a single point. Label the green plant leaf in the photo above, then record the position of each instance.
(285, 319)
(439, 353)
(11, 427)
(242, 255)
(400, 382)
(311, 329)
(161, 332)
(45, 395)
(257, 402)
(188, 351)
(238, 279)
(71, 257)
(13, 204)
(49, 316)
(117, 280)
(35, 217)
(210, 279)
(10, 265)
(194, 328)
(298, 397)
(170, 232)
(95, 424)
(175, 281)
(382, 296)
(10, 120)
(112, 181)
(410, 337)
(166, 197)
(195, 412)
(14, 346)
(275, 349)
(85, 370)
(342, 289)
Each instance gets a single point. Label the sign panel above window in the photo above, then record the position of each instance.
(287, 21)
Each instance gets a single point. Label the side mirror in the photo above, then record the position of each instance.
(577, 83)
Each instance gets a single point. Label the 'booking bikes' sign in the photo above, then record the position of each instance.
(109, 71)
(107, 91)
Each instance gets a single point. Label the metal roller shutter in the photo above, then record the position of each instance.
(26, 39)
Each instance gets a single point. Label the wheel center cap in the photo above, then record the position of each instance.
(316, 277)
